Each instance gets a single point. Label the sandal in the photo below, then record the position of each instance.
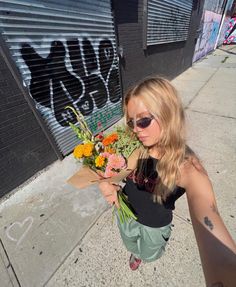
(134, 262)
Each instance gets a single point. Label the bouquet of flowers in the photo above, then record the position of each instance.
(104, 158)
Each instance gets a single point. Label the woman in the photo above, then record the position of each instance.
(166, 169)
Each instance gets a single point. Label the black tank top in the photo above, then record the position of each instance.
(139, 190)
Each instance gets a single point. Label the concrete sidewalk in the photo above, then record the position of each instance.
(54, 235)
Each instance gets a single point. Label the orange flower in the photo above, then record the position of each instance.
(106, 142)
(114, 137)
(110, 150)
(78, 151)
(88, 148)
(99, 161)
(110, 139)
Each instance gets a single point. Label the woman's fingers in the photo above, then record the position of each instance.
(113, 199)
(108, 188)
(116, 202)
(109, 191)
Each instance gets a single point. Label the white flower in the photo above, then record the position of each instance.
(99, 147)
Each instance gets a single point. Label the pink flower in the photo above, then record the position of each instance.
(109, 172)
(106, 154)
(116, 161)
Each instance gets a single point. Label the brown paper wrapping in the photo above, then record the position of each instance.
(86, 176)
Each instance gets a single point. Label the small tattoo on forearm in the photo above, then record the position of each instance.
(214, 209)
(208, 222)
(217, 284)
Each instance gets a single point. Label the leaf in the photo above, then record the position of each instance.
(83, 132)
(127, 143)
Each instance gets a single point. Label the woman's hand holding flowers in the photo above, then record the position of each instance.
(109, 191)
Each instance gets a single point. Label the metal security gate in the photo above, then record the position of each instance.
(168, 20)
(66, 54)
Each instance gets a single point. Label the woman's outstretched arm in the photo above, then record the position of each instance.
(216, 247)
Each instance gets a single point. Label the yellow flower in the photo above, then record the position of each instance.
(88, 148)
(78, 151)
(99, 161)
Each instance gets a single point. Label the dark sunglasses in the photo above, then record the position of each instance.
(141, 123)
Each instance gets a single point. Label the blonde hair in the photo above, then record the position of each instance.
(162, 101)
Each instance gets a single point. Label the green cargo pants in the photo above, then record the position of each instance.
(146, 243)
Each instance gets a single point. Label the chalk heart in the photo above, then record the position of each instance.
(18, 230)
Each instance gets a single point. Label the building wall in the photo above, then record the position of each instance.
(63, 53)
(224, 32)
(168, 59)
(210, 25)
(24, 148)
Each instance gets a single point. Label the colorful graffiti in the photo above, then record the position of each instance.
(230, 35)
(223, 31)
(91, 83)
(225, 22)
(207, 39)
(209, 26)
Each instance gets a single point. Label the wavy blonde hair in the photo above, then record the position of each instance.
(162, 101)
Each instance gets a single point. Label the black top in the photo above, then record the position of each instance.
(140, 196)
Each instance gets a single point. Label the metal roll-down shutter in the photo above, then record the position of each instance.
(66, 54)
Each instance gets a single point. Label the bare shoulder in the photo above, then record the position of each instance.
(192, 167)
(193, 176)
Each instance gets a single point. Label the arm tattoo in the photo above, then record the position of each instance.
(208, 222)
(214, 209)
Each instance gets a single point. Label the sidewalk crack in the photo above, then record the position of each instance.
(198, 92)
(211, 114)
(182, 218)
(8, 266)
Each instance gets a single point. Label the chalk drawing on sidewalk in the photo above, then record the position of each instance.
(22, 228)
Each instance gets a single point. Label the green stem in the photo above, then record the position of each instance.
(124, 212)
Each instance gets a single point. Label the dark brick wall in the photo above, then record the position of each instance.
(167, 60)
(24, 148)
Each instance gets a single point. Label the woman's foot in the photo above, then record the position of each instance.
(134, 262)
